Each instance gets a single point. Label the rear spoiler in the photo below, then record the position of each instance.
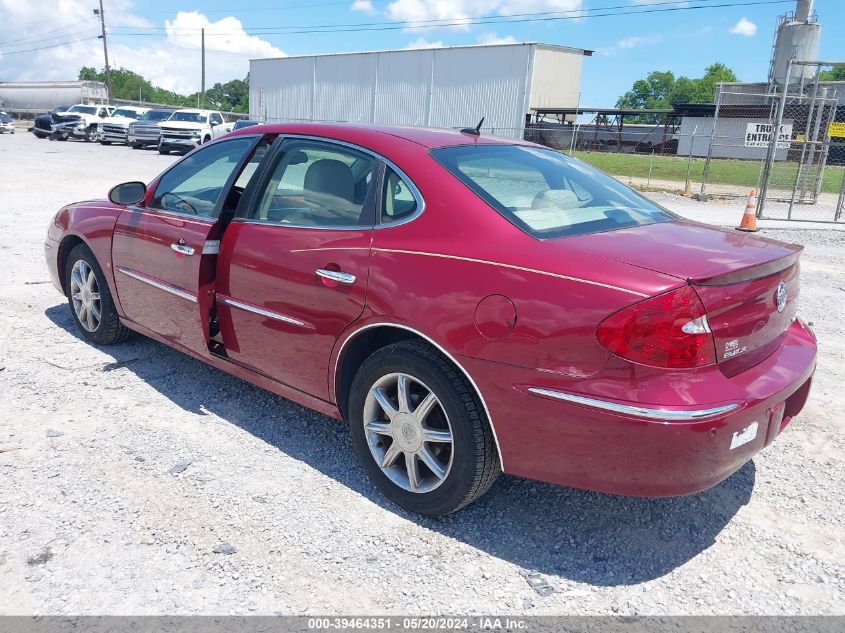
(752, 272)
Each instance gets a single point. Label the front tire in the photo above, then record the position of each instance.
(91, 133)
(163, 151)
(91, 304)
(420, 431)
(105, 142)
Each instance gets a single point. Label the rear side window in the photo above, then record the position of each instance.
(547, 194)
(317, 184)
(398, 200)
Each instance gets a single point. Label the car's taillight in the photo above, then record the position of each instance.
(669, 330)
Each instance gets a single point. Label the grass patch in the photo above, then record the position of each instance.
(723, 171)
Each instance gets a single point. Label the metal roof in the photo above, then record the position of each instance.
(583, 51)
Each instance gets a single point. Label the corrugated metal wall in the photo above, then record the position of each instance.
(447, 87)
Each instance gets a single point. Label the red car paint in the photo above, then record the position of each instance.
(518, 315)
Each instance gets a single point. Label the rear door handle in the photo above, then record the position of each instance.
(183, 248)
(336, 275)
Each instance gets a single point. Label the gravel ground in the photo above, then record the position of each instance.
(136, 480)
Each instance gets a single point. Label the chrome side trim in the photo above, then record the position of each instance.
(511, 266)
(475, 261)
(652, 413)
(265, 313)
(353, 334)
(161, 285)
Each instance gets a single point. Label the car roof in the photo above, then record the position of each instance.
(426, 136)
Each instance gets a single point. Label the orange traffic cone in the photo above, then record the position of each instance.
(749, 218)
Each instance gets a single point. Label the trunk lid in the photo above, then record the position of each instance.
(748, 285)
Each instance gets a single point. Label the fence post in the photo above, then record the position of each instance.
(706, 173)
(801, 173)
(650, 165)
(770, 156)
(687, 186)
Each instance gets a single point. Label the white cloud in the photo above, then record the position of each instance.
(171, 61)
(424, 43)
(493, 38)
(633, 41)
(226, 35)
(365, 6)
(745, 27)
(456, 11)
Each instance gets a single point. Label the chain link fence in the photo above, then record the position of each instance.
(810, 184)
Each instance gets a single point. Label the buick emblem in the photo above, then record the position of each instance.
(780, 296)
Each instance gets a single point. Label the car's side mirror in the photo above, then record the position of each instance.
(215, 123)
(128, 193)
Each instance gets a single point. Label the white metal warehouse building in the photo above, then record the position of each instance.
(438, 87)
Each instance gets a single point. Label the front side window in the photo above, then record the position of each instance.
(547, 194)
(194, 185)
(320, 184)
(398, 200)
(216, 118)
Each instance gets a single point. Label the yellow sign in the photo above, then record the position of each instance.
(837, 128)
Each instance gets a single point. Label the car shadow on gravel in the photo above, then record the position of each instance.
(582, 536)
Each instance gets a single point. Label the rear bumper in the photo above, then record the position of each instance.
(637, 449)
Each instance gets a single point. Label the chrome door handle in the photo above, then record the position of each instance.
(183, 248)
(336, 275)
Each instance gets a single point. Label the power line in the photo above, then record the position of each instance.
(507, 19)
(32, 38)
(259, 9)
(576, 13)
(44, 48)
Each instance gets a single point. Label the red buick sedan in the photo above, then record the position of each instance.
(469, 305)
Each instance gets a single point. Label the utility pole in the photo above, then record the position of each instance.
(105, 46)
(202, 89)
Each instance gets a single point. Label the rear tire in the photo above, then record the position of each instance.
(90, 301)
(453, 435)
(105, 142)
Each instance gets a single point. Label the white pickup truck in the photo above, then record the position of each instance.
(188, 128)
(80, 121)
(115, 128)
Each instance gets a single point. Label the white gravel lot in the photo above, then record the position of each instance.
(93, 520)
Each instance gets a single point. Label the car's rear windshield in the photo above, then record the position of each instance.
(191, 117)
(156, 115)
(129, 114)
(548, 194)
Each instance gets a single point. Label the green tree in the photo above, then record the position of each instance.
(233, 96)
(834, 74)
(662, 90)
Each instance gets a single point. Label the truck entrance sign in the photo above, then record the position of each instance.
(759, 135)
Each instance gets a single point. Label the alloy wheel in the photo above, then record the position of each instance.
(85, 296)
(408, 432)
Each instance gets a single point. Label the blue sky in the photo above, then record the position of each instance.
(160, 38)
